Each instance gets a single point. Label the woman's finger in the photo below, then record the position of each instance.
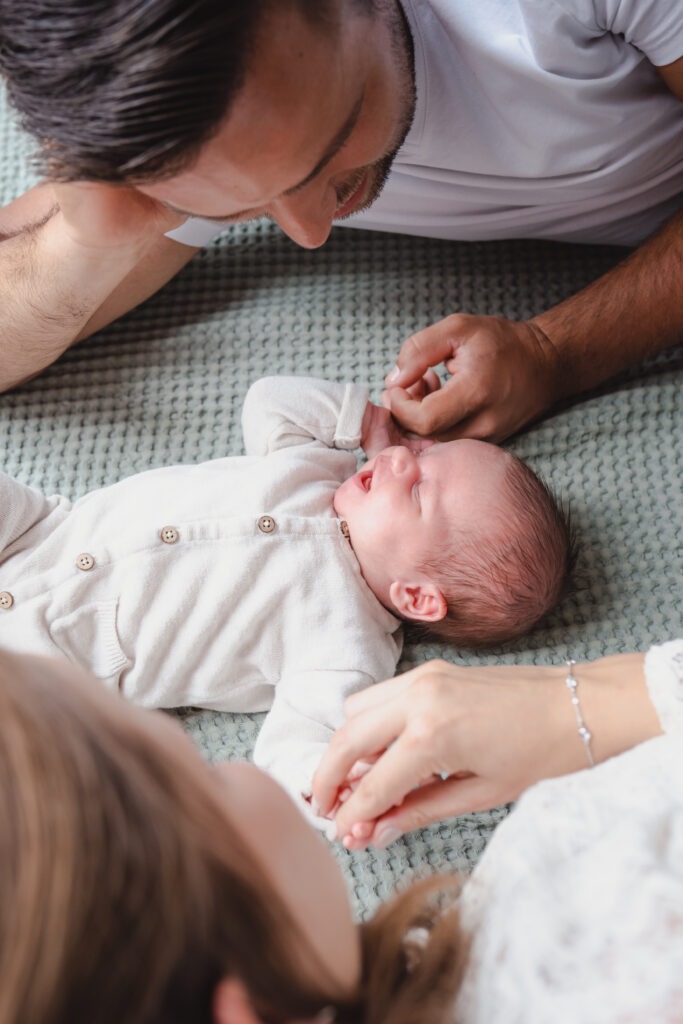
(434, 802)
(361, 738)
(389, 781)
(380, 693)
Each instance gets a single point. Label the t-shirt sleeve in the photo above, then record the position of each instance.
(655, 27)
(196, 232)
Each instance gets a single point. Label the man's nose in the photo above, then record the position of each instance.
(306, 216)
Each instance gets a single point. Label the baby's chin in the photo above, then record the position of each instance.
(340, 503)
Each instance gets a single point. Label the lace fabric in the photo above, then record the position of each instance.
(576, 907)
(664, 675)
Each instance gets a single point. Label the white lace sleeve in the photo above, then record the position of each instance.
(576, 907)
(664, 675)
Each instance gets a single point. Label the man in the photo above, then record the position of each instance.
(486, 119)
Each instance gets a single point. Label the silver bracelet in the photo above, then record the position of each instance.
(572, 684)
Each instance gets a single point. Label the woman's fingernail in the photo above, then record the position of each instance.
(392, 377)
(385, 838)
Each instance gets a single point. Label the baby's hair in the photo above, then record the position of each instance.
(500, 587)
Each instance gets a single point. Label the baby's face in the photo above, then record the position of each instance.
(401, 506)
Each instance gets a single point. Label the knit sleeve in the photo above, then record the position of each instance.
(664, 676)
(575, 910)
(284, 412)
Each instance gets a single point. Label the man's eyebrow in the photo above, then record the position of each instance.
(330, 151)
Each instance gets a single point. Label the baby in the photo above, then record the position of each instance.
(278, 580)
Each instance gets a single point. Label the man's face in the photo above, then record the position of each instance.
(311, 135)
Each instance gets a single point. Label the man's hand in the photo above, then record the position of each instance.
(380, 430)
(503, 374)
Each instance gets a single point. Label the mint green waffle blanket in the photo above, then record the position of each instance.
(166, 384)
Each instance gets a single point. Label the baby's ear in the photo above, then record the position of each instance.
(421, 602)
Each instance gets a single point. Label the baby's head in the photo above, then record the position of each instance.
(462, 538)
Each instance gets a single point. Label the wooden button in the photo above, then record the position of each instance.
(85, 562)
(6, 599)
(266, 524)
(169, 534)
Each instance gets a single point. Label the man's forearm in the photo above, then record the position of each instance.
(633, 311)
(72, 259)
(50, 287)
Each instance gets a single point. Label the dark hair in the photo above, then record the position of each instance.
(129, 90)
(499, 587)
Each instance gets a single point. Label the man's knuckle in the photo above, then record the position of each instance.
(487, 425)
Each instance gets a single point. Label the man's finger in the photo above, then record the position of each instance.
(437, 413)
(418, 355)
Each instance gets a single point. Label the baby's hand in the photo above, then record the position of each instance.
(348, 786)
(380, 430)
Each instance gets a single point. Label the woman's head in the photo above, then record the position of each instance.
(134, 879)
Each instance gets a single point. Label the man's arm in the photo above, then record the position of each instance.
(505, 374)
(72, 259)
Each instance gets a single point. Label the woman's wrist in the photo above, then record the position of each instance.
(615, 704)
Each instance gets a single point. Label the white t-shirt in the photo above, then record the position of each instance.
(534, 118)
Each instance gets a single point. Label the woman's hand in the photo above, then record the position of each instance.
(491, 731)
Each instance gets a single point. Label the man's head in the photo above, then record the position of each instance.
(291, 109)
(463, 538)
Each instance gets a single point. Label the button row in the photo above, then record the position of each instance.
(168, 534)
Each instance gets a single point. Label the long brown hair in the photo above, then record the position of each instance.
(127, 895)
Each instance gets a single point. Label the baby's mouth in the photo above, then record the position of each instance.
(366, 480)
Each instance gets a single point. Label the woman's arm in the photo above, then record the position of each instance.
(493, 730)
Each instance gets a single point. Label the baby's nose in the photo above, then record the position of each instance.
(403, 460)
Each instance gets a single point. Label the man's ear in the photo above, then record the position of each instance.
(231, 1003)
(421, 602)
